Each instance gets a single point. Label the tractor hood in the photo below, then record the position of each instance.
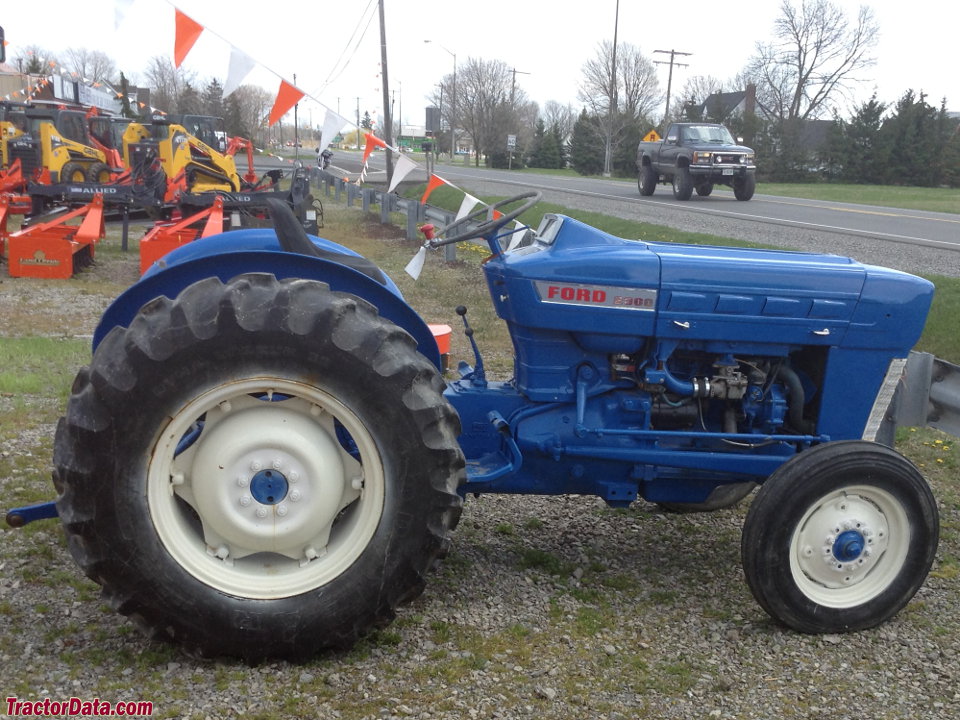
(614, 293)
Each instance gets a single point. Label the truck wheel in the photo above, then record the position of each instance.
(743, 188)
(72, 172)
(98, 172)
(647, 181)
(682, 184)
(704, 189)
(258, 469)
(840, 537)
(722, 497)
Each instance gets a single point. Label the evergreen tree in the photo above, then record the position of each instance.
(213, 99)
(536, 146)
(189, 102)
(233, 118)
(859, 148)
(550, 155)
(557, 134)
(586, 146)
(913, 140)
(625, 156)
(125, 109)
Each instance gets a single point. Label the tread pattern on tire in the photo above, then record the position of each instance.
(102, 530)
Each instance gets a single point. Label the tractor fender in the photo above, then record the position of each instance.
(257, 251)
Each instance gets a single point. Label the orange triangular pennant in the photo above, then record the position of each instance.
(287, 97)
(372, 142)
(433, 183)
(187, 32)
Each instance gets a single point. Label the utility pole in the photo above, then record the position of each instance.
(671, 63)
(296, 127)
(513, 88)
(388, 119)
(614, 101)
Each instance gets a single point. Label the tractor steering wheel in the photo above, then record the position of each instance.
(488, 227)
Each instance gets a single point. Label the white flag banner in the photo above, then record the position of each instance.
(240, 66)
(468, 203)
(519, 232)
(415, 266)
(120, 9)
(403, 168)
(332, 124)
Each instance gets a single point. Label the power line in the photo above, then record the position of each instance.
(671, 63)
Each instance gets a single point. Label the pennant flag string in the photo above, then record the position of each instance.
(188, 32)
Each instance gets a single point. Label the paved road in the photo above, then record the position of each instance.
(910, 240)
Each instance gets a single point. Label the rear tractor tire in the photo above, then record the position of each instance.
(259, 469)
(840, 537)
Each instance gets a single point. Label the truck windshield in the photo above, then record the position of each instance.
(708, 134)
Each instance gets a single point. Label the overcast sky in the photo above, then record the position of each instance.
(545, 42)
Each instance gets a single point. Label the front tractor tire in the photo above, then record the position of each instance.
(258, 468)
(840, 537)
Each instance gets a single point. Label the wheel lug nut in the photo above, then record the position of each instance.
(245, 500)
(277, 463)
(282, 510)
(293, 476)
(256, 466)
(242, 481)
(261, 512)
(295, 496)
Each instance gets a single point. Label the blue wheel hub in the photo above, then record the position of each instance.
(848, 546)
(268, 487)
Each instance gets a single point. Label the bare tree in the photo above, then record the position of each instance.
(562, 117)
(622, 96)
(167, 82)
(93, 66)
(815, 56)
(35, 60)
(483, 106)
(697, 89)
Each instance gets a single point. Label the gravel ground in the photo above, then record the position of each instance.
(545, 608)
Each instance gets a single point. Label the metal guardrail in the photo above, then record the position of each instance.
(388, 203)
(928, 394)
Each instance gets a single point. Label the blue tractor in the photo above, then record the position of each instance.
(263, 459)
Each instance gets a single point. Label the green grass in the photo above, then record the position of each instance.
(945, 200)
(32, 365)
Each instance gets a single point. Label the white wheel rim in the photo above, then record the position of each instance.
(266, 502)
(849, 546)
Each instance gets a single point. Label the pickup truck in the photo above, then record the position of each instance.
(696, 156)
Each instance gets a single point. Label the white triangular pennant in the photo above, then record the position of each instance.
(415, 266)
(519, 232)
(332, 124)
(469, 201)
(403, 168)
(240, 66)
